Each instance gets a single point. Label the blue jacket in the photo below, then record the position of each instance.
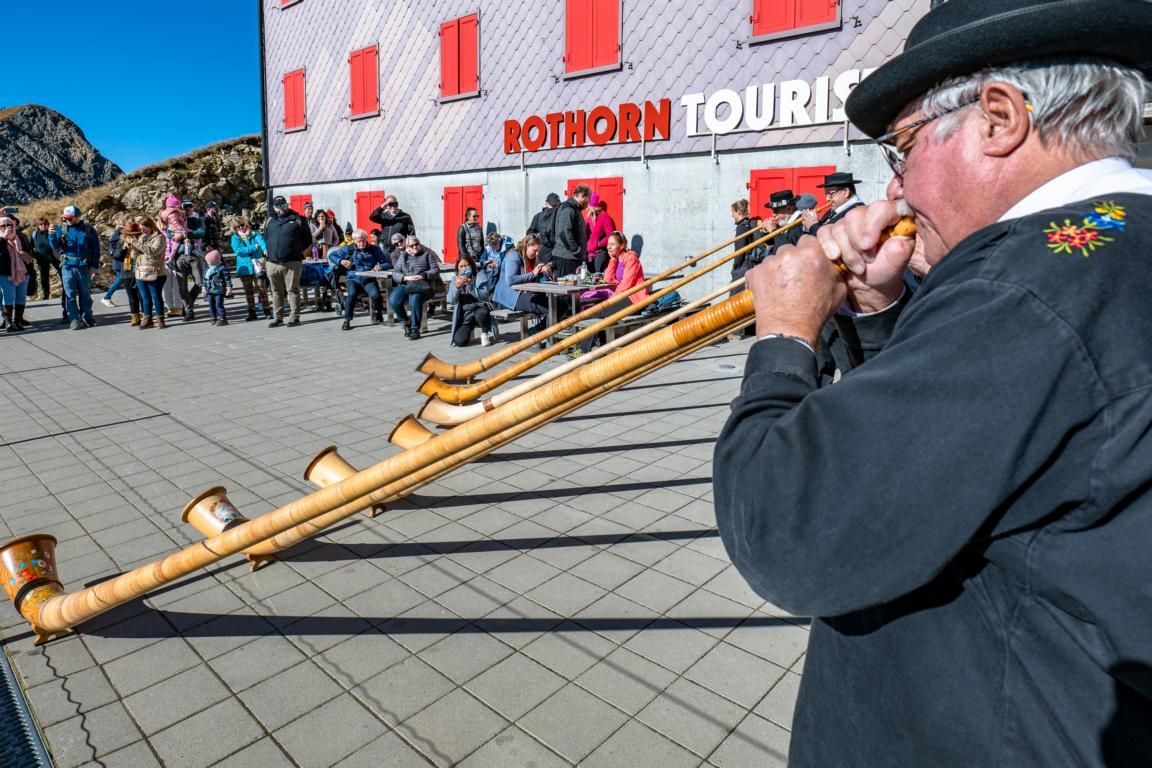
(247, 249)
(362, 260)
(80, 248)
(512, 273)
(217, 280)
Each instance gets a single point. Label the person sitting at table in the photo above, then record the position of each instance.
(514, 272)
(353, 259)
(414, 272)
(625, 270)
(470, 294)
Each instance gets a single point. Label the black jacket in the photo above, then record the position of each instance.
(967, 513)
(400, 223)
(287, 238)
(543, 224)
(470, 241)
(570, 233)
(741, 264)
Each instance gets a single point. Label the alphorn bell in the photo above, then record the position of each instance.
(464, 393)
(212, 513)
(466, 371)
(328, 468)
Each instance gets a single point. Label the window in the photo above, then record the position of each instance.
(365, 82)
(294, 115)
(799, 180)
(591, 36)
(460, 57)
(457, 200)
(366, 202)
(297, 202)
(610, 190)
(780, 18)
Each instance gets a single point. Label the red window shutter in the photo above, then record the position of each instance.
(812, 12)
(605, 33)
(808, 179)
(366, 202)
(294, 114)
(365, 82)
(297, 202)
(578, 34)
(453, 218)
(611, 191)
(770, 17)
(450, 58)
(356, 105)
(762, 185)
(469, 57)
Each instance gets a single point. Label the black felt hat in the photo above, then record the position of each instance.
(781, 199)
(838, 179)
(961, 37)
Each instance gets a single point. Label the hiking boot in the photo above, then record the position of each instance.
(145, 322)
(276, 323)
(294, 322)
(222, 321)
(250, 317)
(160, 322)
(135, 321)
(347, 326)
(415, 335)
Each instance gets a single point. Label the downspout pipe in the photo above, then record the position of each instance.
(263, 110)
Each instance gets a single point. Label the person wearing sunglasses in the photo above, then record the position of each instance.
(392, 220)
(16, 263)
(966, 513)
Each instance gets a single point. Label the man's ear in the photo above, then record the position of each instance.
(1007, 119)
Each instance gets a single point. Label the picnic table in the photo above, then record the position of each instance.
(555, 291)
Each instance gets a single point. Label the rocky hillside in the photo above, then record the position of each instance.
(229, 172)
(44, 154)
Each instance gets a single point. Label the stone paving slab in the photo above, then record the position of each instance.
(564, 601)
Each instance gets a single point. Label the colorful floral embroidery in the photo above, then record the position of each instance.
(1108, 215)
(1087, 237)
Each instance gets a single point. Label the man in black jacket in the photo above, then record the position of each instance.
(571, 233)
(966, 514)
(392, 220)
(542, 226)
(287, 235)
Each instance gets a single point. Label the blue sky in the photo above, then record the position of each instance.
(145, 81)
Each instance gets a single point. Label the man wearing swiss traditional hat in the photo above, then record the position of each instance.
(967, 512)
(840, 192)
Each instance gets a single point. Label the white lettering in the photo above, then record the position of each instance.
(691, 104)
(794, 97)
(842, 87)
(712, 120)
(759, 111)
(822, 104)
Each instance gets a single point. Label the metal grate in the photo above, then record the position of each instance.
(20, 743)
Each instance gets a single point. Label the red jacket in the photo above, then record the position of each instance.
(633, 275)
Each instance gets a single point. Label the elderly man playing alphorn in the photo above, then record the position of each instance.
(968, 513)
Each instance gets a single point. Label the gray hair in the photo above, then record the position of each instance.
(359, 233)
(1091, 107)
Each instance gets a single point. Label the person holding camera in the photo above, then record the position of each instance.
(79, 248)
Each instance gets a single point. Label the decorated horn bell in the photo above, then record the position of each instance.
(329, 468)
(211, 512)
(28, 562)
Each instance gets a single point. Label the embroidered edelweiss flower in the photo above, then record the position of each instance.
(1069, 237)
(1108, 215)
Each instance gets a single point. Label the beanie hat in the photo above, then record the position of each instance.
(212, 257)
(171, 201)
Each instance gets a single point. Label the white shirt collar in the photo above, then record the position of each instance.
(854, 200)
(1099, 177)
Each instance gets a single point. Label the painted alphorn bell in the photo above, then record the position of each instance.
(29, 562)
(466, 371)
(444, 414)
(463, 393)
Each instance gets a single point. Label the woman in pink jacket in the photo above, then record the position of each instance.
(625, 270)
(600, 226)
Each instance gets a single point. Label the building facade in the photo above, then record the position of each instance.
(670, 110)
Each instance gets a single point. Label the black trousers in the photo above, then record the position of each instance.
(353, 288)
(473, 313)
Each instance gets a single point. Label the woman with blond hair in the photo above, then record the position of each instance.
(148, 251)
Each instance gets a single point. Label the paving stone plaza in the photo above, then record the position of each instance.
(563, 601)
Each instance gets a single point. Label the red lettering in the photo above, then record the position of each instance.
(511, 137)
(554, 119)
(657, 119)
(629, 122)
(595, 117)
(533, 143)
(574, 128)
